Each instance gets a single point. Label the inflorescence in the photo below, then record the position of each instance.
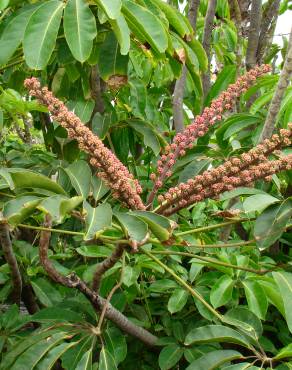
(201, 124)
(235, 172)
(110, 169)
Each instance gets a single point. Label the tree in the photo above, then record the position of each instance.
(129, 134)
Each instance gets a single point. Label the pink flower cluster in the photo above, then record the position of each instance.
(237, 171)
(201, 125)
(115, 174)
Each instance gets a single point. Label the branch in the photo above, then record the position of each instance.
(208, 27)
(253, 33)
(270, 14)
(193, 13)
(73, 281)
(106, 265)
(238, 24)
(278, 95)
(11, 260)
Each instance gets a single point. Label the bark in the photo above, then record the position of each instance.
(178, 95)
(74, 282)
(253, 33)
(278, 95)
(97, 88)
(193, 13)
(236, 13)
(269, 15)
(28, 299)
(207, 35)
(11, 261)
(106, 265)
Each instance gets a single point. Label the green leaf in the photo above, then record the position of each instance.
(17, 350)
(95, 251)
(135, 228)
(59, 206)
(270, 225)
(225, 77)
(79, 28)
(245, 320)
(4, 4)
(284, 352)
(240, 125)
(169, 356)
(131, 275)
(53, 355)
(111, 8)
(55, 314)
(111, 62)
(258, 202)
(284, 283)
(221, 292)
(18, 209)
(174, 17)
(198, 49)
(115, 344)
(41, 34)
(86, 361)
(193, 169)
(99, 189)
(145, 25)
(12, 34)
(214, 333)
(122, 32)
(33, 354)
(97, 219)
(80, 176)
(272, 293)
(213, 360)
(240, 191)
(256, 298)
(82, 108)
(149, 136)
(159, 225)
(177, 300)
(28, 179)
(106, 360)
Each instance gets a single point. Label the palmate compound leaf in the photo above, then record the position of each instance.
(111, 8)
(85, 362)
(177, 300)
(80, 176)
(221, 292)
(18, 209)
(213, 360)
(41, 34)
(115, 344)
(79, 28)
(53, 355)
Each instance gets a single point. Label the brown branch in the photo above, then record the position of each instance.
(278, 95)
(253, 33)
(270, 14)
(207, 35)
(73, 281)
(238, 24)
(106, 265)
(109, 297)
(11, 260)
(193, 13)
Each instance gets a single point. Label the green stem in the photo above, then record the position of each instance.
(193, 292)
(11, 64)
(210, 260)
(60, 231)
(211, 227)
